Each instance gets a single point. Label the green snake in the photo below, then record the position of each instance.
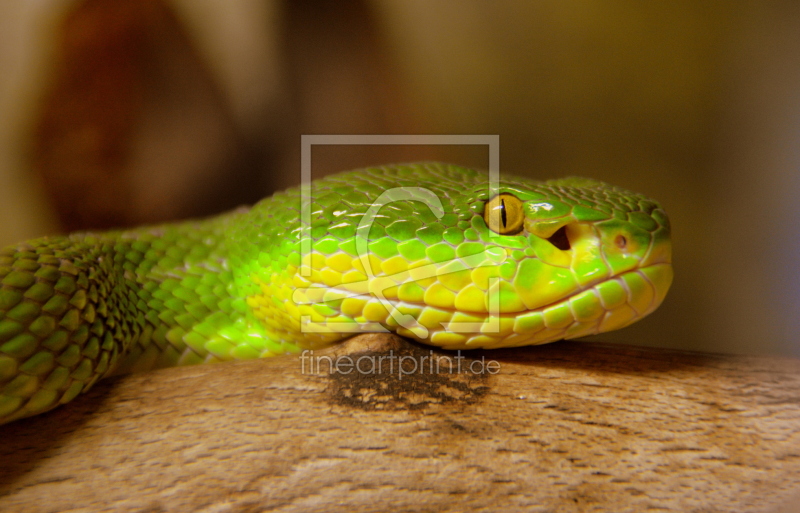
(430, 251)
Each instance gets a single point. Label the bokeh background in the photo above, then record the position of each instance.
(121, 112)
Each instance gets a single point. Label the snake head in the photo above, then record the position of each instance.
(595, 258)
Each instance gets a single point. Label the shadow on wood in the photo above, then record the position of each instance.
(568, 426)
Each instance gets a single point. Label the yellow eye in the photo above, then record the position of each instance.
(504, 215)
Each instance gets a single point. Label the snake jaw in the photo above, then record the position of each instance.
(609, 304)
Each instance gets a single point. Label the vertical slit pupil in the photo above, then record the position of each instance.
(503, 218)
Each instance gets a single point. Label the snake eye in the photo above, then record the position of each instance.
(504, 214)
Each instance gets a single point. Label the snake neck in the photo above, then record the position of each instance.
(117, 301)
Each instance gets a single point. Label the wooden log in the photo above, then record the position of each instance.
(568, 427)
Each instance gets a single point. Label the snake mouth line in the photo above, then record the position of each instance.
(619, 278)
(604, 306)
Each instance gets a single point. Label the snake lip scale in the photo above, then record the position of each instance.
(430, 251)
(616, 315)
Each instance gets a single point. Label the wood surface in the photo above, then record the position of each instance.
(566, 427)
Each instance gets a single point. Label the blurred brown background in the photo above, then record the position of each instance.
(119, 112)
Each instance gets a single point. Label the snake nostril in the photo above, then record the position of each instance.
(621, 241)
(559, 239)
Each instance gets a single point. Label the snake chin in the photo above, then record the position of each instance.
(608, 305)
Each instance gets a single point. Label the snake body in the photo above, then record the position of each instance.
(434, 252)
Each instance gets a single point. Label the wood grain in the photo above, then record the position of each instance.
(568, 427)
